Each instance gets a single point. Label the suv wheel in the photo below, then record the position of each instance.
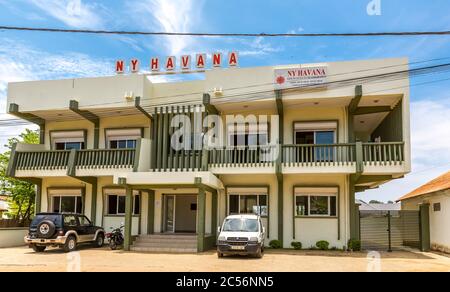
(100, 240)
(39, 248)
(71, 244)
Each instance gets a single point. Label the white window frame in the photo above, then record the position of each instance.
(316, 127)
(69, 136)
(248, 192)
(120, 193)
(233, 130)
(122, 135)
(317, 192)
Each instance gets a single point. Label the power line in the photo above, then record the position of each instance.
(203, 34)
(267, 94)
(196, 100)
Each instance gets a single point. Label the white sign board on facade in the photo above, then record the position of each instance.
(300, 77)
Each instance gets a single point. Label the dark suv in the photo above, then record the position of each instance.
(62, 230)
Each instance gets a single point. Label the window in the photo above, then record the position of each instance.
(437, 207)
(320, 133)
(122, 138)
(122, 144)
(67, 140)
(248, 202)
(252, 135)
(116, 204)
(69, 145)
(84, 221)
(67, 204)
(316, 202)
(70, 220)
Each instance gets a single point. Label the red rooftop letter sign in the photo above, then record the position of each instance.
(119, 67)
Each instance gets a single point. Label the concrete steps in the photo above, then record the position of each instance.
(165, 243)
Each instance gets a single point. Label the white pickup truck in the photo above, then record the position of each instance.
(241, 234)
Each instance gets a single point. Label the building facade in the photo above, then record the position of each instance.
(107, 148)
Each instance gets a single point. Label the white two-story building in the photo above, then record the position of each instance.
(106, 149)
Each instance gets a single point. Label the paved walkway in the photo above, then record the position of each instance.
(89, 259)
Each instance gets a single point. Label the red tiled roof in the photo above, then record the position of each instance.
(438, 184)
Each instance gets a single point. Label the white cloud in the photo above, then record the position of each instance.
(258, 47)
(20, 62)
(74, 13)
(430, 142)
(169, 16)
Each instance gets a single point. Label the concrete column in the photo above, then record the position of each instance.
(94, 200)
(151, 212)
(38, 198)
(201, 217)
(128, 217)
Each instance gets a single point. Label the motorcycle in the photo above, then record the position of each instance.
(115, 238)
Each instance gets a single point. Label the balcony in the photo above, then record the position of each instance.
(255, 159)
(34, 161)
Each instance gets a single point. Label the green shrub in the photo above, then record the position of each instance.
(275, 244)
(354, 245)
(322, 245)
(296, 245)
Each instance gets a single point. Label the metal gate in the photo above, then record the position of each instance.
(388, 230)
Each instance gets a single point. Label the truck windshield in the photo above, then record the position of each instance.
(240, 225)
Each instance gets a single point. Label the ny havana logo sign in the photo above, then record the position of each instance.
(300, 77)
(185, 64)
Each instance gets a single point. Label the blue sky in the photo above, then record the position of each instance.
(31, 56)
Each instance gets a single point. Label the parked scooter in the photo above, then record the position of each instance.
(115, 238)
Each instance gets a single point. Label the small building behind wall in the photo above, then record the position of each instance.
(436, 195)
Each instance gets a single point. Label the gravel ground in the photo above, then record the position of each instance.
(89, 259)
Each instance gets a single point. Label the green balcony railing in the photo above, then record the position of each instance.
(182, 160)
(318, 154)
(388, 153)
(250, 156)
(105, 158)
(38, 160)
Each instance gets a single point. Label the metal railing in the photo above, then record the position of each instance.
(318, 154)
(37, 160)
(85, 159)
(105, 158)
(390, 153)
(182, 160)
(304, 155)
(250, 156)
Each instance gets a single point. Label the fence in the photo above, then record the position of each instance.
(381, 230)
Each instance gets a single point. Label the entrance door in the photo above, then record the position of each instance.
(186, 214)
(180, 213)
(169, 213)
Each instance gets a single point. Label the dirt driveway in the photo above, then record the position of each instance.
(87, 259)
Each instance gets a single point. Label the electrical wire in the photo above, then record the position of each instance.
(390, 76)
(204, 34)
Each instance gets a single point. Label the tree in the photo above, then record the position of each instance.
(375, 202)
(21, 194)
